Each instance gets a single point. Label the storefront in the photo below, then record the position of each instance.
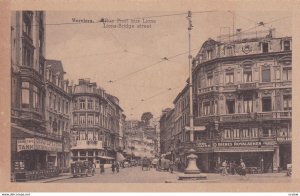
(285, 153)
(38, 157)
(260, 156)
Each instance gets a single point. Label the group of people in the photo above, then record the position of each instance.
(233, 168)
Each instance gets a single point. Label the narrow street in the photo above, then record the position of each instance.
(136, 175)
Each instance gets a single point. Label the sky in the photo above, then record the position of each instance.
(88, 50)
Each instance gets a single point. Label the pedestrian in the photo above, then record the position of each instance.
(243, 168)
(224, 168)
(233, 169)
(171, 166)
(94, 168)
(113, 167)
(101, 168)
(117, 167)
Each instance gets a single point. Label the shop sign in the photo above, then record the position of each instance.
(25, 144)
(38, 144)
(235, 144)
(242, 144)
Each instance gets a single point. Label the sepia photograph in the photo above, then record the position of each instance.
(198, 95)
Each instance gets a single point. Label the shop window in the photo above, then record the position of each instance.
(229, 78)
(82, 104)
(266, 75)
(247, 75)
(265, 47)
(25, 94)
(248, 105)
(266, 104)
(287, 45)
(230, 106)
(283, 132)
(287, 73)
(287, 102)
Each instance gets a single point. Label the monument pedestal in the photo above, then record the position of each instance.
(192, 172)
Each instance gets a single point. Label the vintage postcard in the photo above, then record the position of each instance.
(149, 96)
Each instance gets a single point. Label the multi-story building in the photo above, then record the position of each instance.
(242, 95)
(181, 116)
(31, 144)
(167, 131)
(58, 110)
(95, 122)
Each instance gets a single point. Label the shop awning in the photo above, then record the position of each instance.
(120, 157)
(106, 157)
(243, 149)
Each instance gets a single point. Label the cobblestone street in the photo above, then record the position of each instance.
(136, 175)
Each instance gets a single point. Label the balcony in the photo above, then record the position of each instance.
(245, 117)
(247, 86)
(208, 89)
(87, 144)
(282, 114)
(205, 119)
(27, 114)
(30, 72)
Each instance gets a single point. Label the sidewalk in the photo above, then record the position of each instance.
(60, 177)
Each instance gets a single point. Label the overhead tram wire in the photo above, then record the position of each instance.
(153, 96)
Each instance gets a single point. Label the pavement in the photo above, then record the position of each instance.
(136, 175)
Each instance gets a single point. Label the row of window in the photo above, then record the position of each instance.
(246, 106)
(56, 79)
(265, 48)
(91, 119)
(247, 76)
(93, 136)
(58, 126)
(254, 133)
(58, 104)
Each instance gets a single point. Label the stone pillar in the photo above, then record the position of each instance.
(276, 159)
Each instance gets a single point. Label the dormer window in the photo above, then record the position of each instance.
(209, 54)
(265, 47)
(287, 45)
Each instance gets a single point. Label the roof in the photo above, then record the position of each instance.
(56, 65)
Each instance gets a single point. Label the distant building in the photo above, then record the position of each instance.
(96, 117)
(166, 131)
